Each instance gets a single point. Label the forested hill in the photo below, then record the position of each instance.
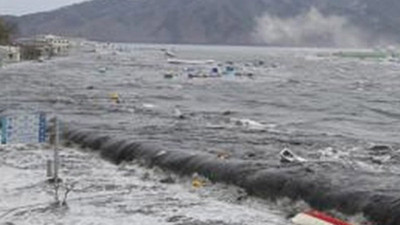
(270, 22)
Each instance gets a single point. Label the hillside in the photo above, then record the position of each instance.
(271, 22)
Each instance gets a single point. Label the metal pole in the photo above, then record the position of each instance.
(49, 171)
(56, 155)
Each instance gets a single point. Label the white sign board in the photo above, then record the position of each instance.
(23, 129)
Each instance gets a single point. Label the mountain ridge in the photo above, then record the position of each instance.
(232, 22)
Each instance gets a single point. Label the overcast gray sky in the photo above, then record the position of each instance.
(20, 7)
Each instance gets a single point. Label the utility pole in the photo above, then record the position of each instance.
(56, 153)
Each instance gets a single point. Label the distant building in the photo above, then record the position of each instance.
(9, 54)
(43, 46)
(59, 45)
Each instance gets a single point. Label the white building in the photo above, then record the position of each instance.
(44, 46)
(59, 45)
(9, 54)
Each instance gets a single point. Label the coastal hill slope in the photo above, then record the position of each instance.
(248, 22)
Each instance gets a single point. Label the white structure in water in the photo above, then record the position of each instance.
(44, 46)
(9, 54)
(59, 45)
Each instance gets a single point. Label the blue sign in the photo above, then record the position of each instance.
(23, 129)
(3, 130)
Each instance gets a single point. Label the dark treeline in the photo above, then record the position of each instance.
(7, 30)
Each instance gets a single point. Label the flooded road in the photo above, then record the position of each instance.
(103, 193)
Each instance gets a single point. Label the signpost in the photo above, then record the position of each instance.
(56, 155)
(29, 129)
(23, 129)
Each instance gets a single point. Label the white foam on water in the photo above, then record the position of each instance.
(109, 194)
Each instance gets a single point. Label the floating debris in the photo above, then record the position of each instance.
(249, 124)
(115, 97)
(178, 113)
(316, 218)
(168, 76)
(168, 53)
(381, 148)
(197, 181)
(216, 71)
(148, 106)
(223, 155)
(168, 180)
(380, 154)
(288, 156)
(103, 69)
(190, 61)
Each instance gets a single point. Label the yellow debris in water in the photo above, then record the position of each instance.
(114, 97)
(197, 183)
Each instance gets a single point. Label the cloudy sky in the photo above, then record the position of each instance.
(20, 7)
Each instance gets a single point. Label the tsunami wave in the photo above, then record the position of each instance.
(323, 185)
